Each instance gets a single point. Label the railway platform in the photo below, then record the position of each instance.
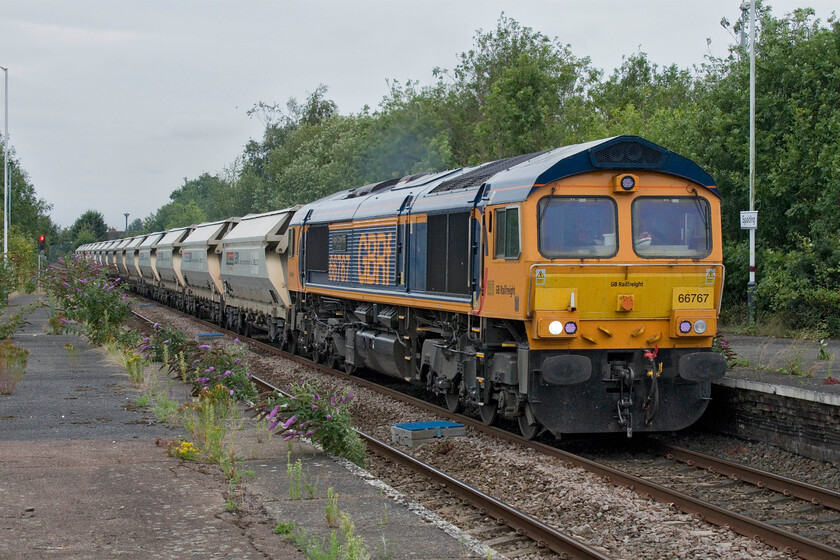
(781, 391)
(83, 475)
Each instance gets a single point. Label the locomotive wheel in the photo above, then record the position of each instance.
(292, 346)
(333, 360)
(453, 403)
(349, 368)
(528, 431)
(489, 413)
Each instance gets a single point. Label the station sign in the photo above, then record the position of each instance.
(749, 219)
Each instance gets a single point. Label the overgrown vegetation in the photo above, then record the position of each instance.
(12, 366)
(86, 295)
(309, 412)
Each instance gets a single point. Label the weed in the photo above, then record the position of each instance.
(183, 450)
(824, 355)
(308, 414)
(284, 528)
(12, 366)
(384, 519)
(165, 409)
(143, 400)
(295, 472)
(331, 511)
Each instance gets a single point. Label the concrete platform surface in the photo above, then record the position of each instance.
(787, 367)
(82, 476)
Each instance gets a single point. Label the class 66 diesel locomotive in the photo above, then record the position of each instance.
(572, 291)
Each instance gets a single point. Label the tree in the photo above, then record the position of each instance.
(516, 91)
(93, 222)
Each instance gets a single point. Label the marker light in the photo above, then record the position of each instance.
(700, 326)
(571, 327)
(555, 327)
(685, 327)
(628, 182)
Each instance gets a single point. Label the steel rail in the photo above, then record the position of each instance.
(522, 523)
(761, 532)
(763, 479)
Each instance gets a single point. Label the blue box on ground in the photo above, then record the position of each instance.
(412, 434)
(207, 337)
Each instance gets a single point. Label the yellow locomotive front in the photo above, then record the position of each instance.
(615, 276)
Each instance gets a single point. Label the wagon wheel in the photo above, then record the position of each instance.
(528, 431)
(489, 413)
(453, 400)
(292, 345)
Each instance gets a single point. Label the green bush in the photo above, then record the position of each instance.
(86, 294)
(308, 413)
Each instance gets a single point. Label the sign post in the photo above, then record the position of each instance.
(749, 220)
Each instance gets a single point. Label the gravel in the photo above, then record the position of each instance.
(615, 519)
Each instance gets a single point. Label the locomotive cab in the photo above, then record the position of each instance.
(618, 291)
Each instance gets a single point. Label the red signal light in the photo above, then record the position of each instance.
(42, 239)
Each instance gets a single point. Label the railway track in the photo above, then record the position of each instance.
(771, 533)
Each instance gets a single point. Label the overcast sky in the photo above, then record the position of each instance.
(113, 103)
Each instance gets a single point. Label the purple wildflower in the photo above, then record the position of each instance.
(228, 372)
(166, 342)
(210, 369)
(273, 413)
(236, 361)
(313, 406)
(308, 434)
(317, 397)
(288, 437)
(329, 416)
(290, 421)
(204, 346)
(231, 392)
(273, 424)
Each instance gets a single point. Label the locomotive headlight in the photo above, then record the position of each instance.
(700, 326)
(625, 183)
(571, 327)
(555, 327)
(685, 327)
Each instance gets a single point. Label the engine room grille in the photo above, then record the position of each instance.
(627, 154)
(479, 175)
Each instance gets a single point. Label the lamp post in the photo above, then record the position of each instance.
(126, 214)
(6, 204)
(751, 284)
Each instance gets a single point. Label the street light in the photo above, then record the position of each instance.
(6, 171)
(126, 214)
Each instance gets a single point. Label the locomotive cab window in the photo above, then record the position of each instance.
(577, 227)
(507, 233)
(672, 227)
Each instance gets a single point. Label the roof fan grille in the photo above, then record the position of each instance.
(628, 154)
